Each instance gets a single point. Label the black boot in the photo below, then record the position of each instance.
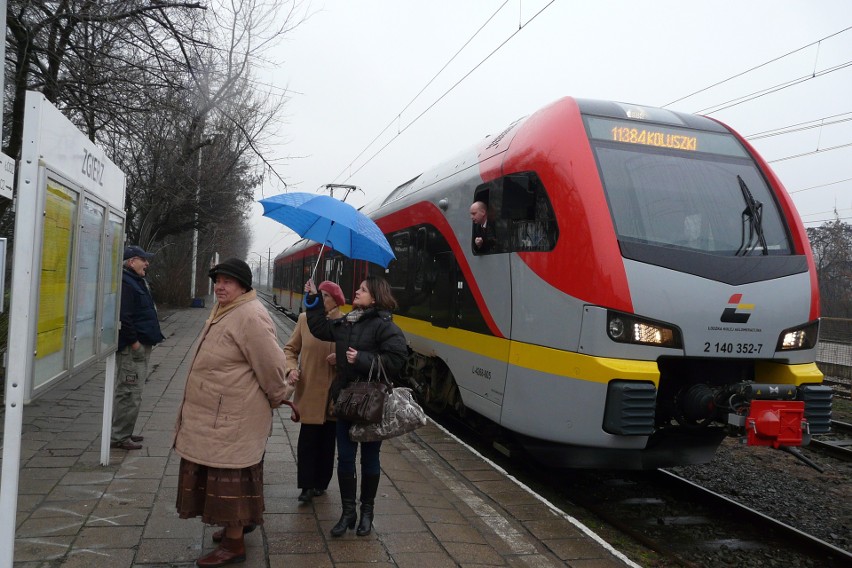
(348, 487)
(306, 496)
(369, 486)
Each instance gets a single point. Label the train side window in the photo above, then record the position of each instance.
(421, 260)
(346, 280)
(333, 266)
(307, 268)
(521, 212)
(398, 271)
(528, 213)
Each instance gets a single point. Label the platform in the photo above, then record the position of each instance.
(439, 503)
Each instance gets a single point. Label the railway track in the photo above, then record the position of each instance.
(837, 443)
(694, 527)
(284, 323)
(842, 387)
(670, 520)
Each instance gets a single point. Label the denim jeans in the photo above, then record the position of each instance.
(347, 450)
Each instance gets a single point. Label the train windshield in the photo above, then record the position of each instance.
(689, 189)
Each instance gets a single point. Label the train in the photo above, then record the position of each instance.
(650, 290)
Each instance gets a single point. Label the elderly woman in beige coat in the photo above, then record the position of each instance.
(236, 378)
(311, 362)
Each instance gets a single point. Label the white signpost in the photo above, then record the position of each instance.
(66, 279)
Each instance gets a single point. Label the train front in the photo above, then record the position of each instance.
(710, 279)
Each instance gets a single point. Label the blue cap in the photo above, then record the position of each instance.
(134, 250)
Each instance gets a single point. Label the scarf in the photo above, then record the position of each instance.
(355, 315)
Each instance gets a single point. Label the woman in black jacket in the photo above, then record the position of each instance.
(360, 336)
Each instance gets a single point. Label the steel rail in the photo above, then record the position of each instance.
(801, 539)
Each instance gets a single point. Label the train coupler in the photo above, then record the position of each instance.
(774, 423)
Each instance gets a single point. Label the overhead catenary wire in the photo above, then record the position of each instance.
(773, 89)
(820, 221)
(447, 92)
(398, 114)
(756, 67)
(811, 153)
(429, 82)
(820, 185)
(825, 212)
(521, 26)
(800, 126)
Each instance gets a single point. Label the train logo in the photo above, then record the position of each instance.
(737, 312)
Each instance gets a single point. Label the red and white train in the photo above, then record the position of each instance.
(651, 290)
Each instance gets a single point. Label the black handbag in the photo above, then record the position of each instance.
(363, 402)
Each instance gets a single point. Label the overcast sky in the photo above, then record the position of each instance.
(355, 71)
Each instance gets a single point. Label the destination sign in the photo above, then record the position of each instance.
(651, 134)
(654, 138)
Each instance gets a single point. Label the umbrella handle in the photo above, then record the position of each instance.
(312, 304)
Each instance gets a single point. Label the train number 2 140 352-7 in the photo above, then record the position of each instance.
(740, 348)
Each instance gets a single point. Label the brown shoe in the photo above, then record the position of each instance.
(126, 445)
(137, 438)
(220, 534)
(231, 551)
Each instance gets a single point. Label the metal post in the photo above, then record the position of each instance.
(195, 232)
(259, 269)
(106, 419)
(2, 58)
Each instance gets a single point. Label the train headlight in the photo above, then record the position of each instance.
(801, 337)
(615, 328)
(626, 328)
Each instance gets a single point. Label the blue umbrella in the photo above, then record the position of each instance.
(333, 223)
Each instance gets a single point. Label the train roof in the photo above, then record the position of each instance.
(603, 108)
(613, 109)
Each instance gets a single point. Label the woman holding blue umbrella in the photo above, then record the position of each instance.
(360, 336)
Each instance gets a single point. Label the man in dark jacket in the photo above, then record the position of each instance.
(140, 331)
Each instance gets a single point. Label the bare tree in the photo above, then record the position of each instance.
(166, 88)
(832, 247)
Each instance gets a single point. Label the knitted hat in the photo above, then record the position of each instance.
(235, 268)
(332, 290)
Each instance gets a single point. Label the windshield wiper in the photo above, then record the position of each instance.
(753, 214)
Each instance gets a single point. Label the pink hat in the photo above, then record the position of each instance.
(333, 290)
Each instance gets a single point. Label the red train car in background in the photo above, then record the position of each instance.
(651, 289)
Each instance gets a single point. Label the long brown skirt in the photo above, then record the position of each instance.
(222, 497)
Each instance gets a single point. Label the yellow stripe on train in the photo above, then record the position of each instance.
(780, 373)
(535, 357)
(585, 367)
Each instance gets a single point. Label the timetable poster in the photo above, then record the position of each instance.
(91, 232)
(112, 280)
(60, 211)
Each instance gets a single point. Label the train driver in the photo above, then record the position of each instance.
(483, 229)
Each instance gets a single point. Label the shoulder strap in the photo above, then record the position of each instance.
(377, 371)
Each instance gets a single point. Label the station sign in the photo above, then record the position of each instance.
(7, 176)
